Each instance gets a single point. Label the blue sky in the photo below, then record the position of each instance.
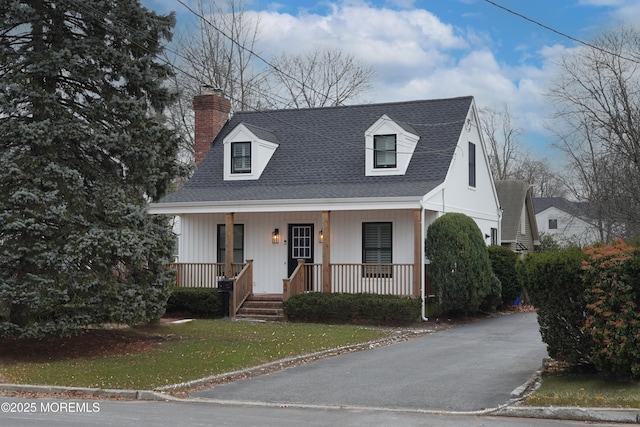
(423, 49)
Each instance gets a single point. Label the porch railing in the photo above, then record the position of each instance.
(200, 274)
(242, 288)
(395, 279)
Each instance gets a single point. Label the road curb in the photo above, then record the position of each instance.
(611, 415)
(88, 392)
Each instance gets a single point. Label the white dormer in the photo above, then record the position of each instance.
(388, 147)
(246, 154)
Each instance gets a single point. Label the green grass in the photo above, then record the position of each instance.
(586, 390)
(186, 352)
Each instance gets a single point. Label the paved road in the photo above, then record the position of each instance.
(178, 414)
(466, 368)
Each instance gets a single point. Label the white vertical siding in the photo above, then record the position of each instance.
(346, 234)
(479, 202)
(270, 261)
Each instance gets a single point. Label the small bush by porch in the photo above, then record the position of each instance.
(338, 307)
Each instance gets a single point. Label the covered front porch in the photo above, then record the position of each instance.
(389, 279)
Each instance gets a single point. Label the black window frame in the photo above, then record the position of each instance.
(472, 165)
(553, 221)
(238, 243)
(377, 269)
(245, 157)
(494, 236)
(377, 151)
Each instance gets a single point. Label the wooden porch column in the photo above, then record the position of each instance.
(326, 251)
(228, 245)
(417, 251)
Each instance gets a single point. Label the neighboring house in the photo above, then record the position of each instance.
(348, 190)
(566, 221)
(519, 229)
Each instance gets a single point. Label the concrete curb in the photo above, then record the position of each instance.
(611, 415)
(94, 392)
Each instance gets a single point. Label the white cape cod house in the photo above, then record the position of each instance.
(335, 199)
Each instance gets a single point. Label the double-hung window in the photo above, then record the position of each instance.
(384, 149)
(376, 249)
(241, 157)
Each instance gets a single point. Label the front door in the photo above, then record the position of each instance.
(300, 245)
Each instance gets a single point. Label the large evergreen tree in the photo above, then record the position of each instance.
(83, 150)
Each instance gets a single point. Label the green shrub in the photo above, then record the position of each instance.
(198, 302)
(460, 268)
(493, 299)
(612, 278)
(337, 307)
(503, 265)
(553, 280)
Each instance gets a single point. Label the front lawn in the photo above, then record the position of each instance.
(151, 356)
(586, 390)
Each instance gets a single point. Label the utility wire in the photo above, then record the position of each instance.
(546, 27)
(112, 24)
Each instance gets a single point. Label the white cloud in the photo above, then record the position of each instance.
(418, 56)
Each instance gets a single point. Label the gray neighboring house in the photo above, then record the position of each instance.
(519, 227)
(569, 223)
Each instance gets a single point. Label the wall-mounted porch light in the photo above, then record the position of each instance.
(321, 237)
(275, 236)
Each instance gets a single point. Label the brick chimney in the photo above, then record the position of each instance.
(211, 113)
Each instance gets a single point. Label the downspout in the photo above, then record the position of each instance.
(422, 269)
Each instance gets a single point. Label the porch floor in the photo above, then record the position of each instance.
(262, 307)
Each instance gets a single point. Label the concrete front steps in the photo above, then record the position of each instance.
(262, 307)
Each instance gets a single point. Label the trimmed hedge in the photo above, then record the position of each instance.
(198, 302)
(612, 277)
(460, 268)
(553, 280)
(337, 307)
(503, 264)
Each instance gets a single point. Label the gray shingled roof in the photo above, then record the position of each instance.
(511, 194)
(578, 209)
(321, 153)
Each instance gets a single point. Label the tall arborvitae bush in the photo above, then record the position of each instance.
(612, 278)
(459, 265)
(554, 283)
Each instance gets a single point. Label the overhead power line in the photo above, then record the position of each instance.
(560, 33)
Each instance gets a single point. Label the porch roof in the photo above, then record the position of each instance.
(321, 155)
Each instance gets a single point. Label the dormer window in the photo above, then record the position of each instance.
(384, 147)
(247, 152)
(389, 146)
(241, 157)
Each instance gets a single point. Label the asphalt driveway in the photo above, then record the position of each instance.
(466, 368)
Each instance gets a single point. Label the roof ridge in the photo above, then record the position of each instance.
(372, 104)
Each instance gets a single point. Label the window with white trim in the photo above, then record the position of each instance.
(472, 164)
(377, 249)
(384, 155)
(241, 157)
(389, 147)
